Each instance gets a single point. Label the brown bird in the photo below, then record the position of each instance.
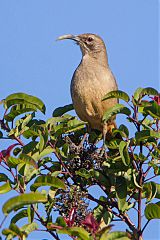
(91, 81)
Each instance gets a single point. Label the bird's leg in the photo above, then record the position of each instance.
(104, 132)
(83, 140)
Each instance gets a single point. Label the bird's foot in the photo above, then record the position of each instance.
(103, 152)
(83, 140)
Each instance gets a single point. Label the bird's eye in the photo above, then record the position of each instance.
(90, 39)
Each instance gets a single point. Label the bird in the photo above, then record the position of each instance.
(91, 80)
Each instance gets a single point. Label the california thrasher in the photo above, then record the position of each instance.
(91, 81)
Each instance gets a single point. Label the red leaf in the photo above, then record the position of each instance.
(91, 223)
(6, 152)
(70, 220)
(156, 99)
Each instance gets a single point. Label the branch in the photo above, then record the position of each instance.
(123, 216)
(140, 201)
(44, 223)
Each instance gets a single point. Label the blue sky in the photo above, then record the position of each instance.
(31, 61)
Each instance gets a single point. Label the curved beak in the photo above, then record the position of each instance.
(69, 36)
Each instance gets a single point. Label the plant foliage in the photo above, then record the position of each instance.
(50, 166)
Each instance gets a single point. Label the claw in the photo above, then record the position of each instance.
(103, 151)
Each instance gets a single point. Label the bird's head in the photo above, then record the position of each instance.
(89, 43)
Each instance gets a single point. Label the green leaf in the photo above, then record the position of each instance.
(23, 199)
(135, 180)
(16, 110)
(98, 213)
(22, 214)
(101, 213)
(123, 128)
(137, 93)
(79, 232)
(47, 180)
(23, 98)
(151, 190)
(100, 178)
(74, 125)
(121, 192)
(13, 162)
(60, 221)
(143, 104)
(9, 233)
(3, 177)
(36, 156)
(28, 228)
(61, 110)
(153, 110)
(23, 158)
(114, 143)
(103, 233)
(34, 127)
(27, 119)
(26, 159)
(158, 190)
(16, 151)
(14, 230)
(123, 149)
(28, 171)
(56, 166)
(117, 94)
(118, 108)
(46, 151)
(145, 134)
(107, 217)
(117, 236)
(141, 92)
(117, 132)
(30, 213)
(141, 157)
(41, 143)
(44, 140)
(6, 187)
(52, 122)
(152, 211)
(83, 173)
(29, 147)
(148, 91)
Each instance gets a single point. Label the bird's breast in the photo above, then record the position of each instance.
(88, 86)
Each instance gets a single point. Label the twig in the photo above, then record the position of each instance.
(3, 221)
(133, 162)
(146, 172)
(44, 223)
(150, 178)
(19, 141)
(60, 160)
(145, 226)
